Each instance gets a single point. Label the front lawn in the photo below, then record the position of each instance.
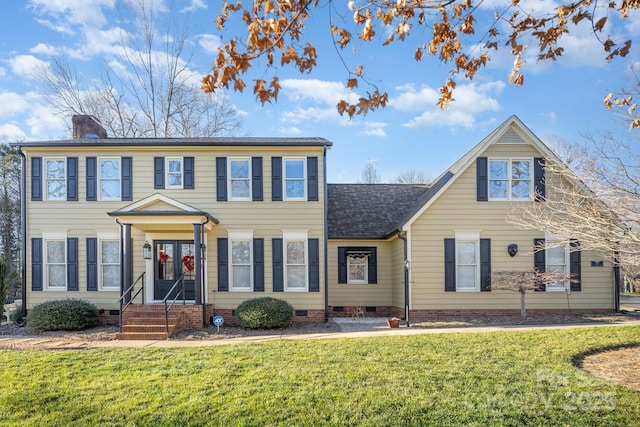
(481, 379)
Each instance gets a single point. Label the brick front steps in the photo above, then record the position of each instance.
(147, 322)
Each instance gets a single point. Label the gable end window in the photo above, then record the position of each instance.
(510, 179)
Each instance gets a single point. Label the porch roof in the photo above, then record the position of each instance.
(165, 220)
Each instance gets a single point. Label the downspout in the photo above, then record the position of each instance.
(23, 230)
(122, 285)
(406, 276)
(616, 281)
(326, 236)
(203, 263)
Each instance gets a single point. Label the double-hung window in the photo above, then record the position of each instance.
(109, 264)
(240, 178)
(175, 171)
(110, 178)
(467, 262)
(357, 268)
(295, 261)
(510, 179)
(240, 261)
(56, 176)
(295, 179)
(557, 265)
(55, 256)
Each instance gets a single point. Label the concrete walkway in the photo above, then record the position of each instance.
(61, 344)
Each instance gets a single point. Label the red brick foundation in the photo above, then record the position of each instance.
(300, 316)
(435, 314)
(362, 311)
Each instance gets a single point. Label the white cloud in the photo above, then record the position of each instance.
(210, 43)
(325, 92)
(12, 103)
(373, 129)
(3, 72)
(64, 15)
(549, 115)
(470, 101)
(44, 124)
(27, 65)
(11, 133)
(44, 49)
(195, 5)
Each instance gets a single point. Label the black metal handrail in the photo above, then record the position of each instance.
(124, 305)
(168, 306)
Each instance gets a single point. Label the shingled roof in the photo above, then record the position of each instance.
(375, 211)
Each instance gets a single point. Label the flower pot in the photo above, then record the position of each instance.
(393, 323)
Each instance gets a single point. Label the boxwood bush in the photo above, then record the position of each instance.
(264, 313)
(62, 315)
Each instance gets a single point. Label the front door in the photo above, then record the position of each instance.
(173, 258)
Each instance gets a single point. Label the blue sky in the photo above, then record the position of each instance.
(560, 100)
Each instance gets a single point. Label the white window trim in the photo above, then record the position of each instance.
(550, 241)
(167, 160)
(99, 189)
(240, 236)
(101, 237)
(230, 179)
(54, 235)
(303, 179)
(46, 179)
(366, 271)
(296, 236)
(509, 179)
(468, 237)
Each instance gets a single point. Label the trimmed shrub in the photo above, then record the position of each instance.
(17, 316)
(264, 313)
(62, 315)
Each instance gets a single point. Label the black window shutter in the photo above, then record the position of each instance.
(223, 264)
(575, 267)
(256, 179)
(92, 264)
(72, 179)
(312, 179)
(539, 262)
(482, 179)
(258, 265)
(276, 179)
(342, 264)
(92, 179)
(36, 264)
(485, 265)
(72, 264)
(538, 177)
(314, 265)
(36, 178)
(278, 266)
(373, 265)
(221, 179)
(158, 173)
(189, 173)
(127, 179)
(450, 265)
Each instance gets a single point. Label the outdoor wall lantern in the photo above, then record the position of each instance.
(146, 250)
(512, 249)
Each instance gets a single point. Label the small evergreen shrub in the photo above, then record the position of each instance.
(264, 313)
(62, 315)
(17, 316)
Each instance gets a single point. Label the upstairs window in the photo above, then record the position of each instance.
(510, 179)
(294, 179)
(240, 179)
(110, 178)
(56, 179)
(174, 172)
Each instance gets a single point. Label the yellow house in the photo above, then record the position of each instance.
(206, 223)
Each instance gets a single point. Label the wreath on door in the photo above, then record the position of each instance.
(163, 258)
(187, 261)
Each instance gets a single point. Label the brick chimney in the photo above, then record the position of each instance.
(87, 127)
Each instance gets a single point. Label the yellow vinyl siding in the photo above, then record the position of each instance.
(370, 294)
(456, 210)
(266, 219)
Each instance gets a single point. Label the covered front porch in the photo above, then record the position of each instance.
(163, 264)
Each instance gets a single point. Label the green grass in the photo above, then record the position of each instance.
(500, 379)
